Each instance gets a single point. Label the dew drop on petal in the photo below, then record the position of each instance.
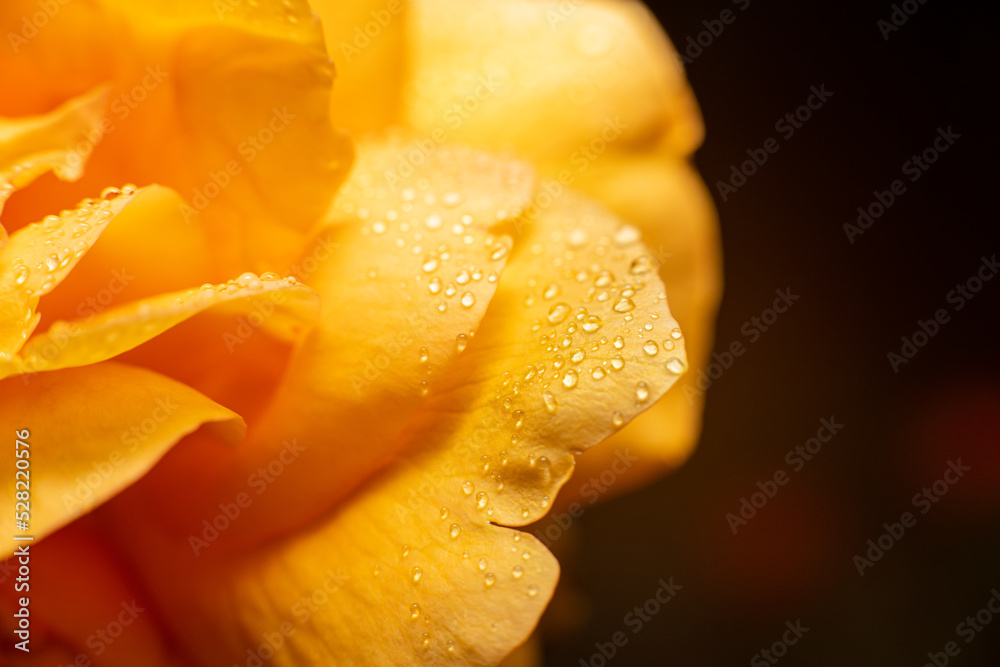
(482, 499)
(468, 299)
(489, 579)
(468, 488)
(650, 347)
(558, 312)
(414, 611)
(550, 402)
(623, 305)
(569, 379)
(454, 530)
(617, 419)
(641, 392)
(416, 573)
(675, 365)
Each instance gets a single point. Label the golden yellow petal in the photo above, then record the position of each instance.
(38, 257)
(89, 433)
(547, 78)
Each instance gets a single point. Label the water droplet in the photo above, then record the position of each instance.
(425, 640)
(604, 279)
(21, 274)
(518, 572)
(451, 646)
(577, 356)
(416, 573)
(434, 286)
(468, 488)
(641, 264)
(558, 312)
(433, 221)
(598, 373)
(569, 379)
(524, 512)
(454, 530)
(249, 281)
(550, 402)
(468, 299)
(463, 277)
(623, 305)
(675, 365)
(482, 564)
(499, 251)
(451, 199)
(52, 262)
(424, 354)
(532, 590)
(627, 234)
(379, 227)
(592, 324)
(617, 419)
(461, 342)
(406, 550)
(577, 237)
(618, 363)
(482, 499)
(414, 611)
(489, 579)
(650, 347)
(444, 513)
(675, 334)
(430, 265)
(641, 392)
(518, 418)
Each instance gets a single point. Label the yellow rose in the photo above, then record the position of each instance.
(288, 401)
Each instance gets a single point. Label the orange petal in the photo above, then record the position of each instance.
(240, 93)
(365, 39)
(405, 275)
(92, 432)
(85, 608)
(33, 145)
(282, 306)
(547, 78)
(39, 256)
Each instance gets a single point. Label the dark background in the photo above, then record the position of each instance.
(827, 356)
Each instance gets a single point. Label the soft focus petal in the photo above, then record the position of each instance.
(365, 39)
(93, 432)
(239, 102)
(405, 274)
(83, 603)
(546, 78)
(32, 145)
(285, 308)
(39, 256)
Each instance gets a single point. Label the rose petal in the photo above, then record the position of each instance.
(38, 257)
(93, 432)
(405, 273)
(548, 78)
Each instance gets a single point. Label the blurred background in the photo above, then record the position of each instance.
(892, 85)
